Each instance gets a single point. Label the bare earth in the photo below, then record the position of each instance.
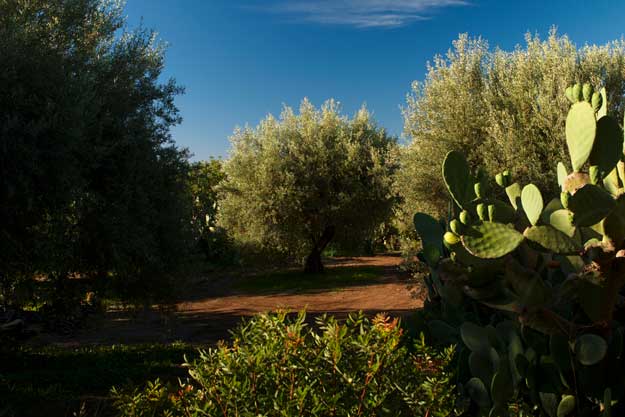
(213, 308)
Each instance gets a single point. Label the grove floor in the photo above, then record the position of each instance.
(214, 306)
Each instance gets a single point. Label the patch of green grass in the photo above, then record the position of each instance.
(332, 278)
(59, 380)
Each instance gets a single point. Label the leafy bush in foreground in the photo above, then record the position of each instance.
(534, 290)
(278, 366)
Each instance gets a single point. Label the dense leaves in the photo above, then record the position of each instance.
(278, 366)
(298, 182)
(90, 181)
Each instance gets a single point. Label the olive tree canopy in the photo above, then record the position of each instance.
(296, 183)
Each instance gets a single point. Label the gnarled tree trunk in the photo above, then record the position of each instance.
(313, 260)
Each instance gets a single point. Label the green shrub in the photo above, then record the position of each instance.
(277, 365)
(534, 287)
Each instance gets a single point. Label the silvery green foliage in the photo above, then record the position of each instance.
(291, 177)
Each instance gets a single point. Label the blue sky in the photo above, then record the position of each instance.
(242, 59)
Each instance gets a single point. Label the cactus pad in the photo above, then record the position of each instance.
(590, 349)
(590, 204)
(608, 147)
(532, 202)
(550, 239)
(491, 240)
(428, 229)
(563, 221)
(562, 174)
(566, 406)
(581, 128)
(458, 179)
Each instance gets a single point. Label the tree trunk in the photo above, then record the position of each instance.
(313, 261)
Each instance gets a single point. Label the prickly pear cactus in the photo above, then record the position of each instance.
(532, 287)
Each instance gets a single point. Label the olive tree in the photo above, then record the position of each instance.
(297, 182)
(91, 182)
(502, 109)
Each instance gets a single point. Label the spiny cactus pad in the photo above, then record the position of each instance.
(590, 349)
(581, 129)
(491, 240)
(608, 147)
(458, 179)
(532, 202)
(590, 204)
(550, 239)
(563, 221)
(428, 229)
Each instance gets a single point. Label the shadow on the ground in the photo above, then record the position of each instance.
(338, 274)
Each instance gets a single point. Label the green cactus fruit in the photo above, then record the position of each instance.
(564, 199)
(492, 240)
(604, 104)
(492, 212)
(428, 229)
(456, 226)
(590, 204)
(550, 239)
(608, 146)
(562, 174)
(563, 221)
(499, 180)
(590, 349)
(514, 195)
(577, 92)
(465, 217)
(581, 128)
(587, 91)
(566, 406)
(569, 94)
(532, 202)
(479, 189)
(594, 174)
(451, 239)
(478, 392)
(482, 212)
(596, 101)
(458, 179)
(507, 177)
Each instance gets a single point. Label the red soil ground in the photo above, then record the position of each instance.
(213, 307)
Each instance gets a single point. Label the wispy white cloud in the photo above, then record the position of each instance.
(361, 13)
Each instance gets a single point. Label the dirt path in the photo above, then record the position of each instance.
(215, 307)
